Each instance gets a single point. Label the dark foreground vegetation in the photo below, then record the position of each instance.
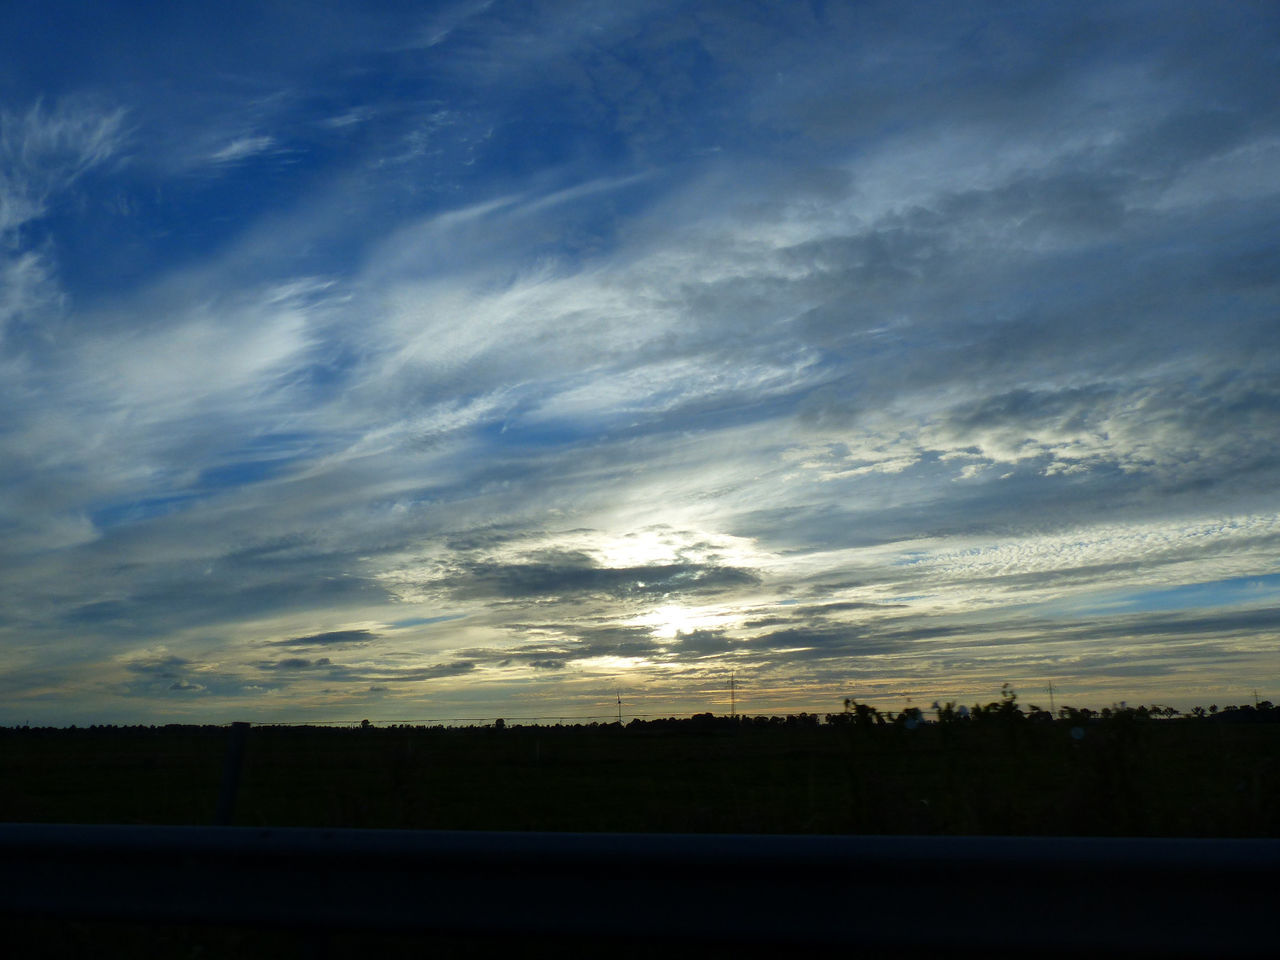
(992, 770)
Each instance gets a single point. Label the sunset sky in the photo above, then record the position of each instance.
(420, 361)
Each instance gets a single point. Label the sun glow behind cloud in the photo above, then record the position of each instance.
(671, 620)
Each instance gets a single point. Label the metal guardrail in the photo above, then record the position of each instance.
(1200, 897)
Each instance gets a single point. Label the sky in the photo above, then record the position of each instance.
(414, 361)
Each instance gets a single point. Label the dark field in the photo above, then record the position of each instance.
(1172, 778)
(1189, 777)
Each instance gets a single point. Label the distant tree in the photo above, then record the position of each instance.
(1076, 716)
(947, 712)
(860, 714)
(1005, 709)
(910, 718)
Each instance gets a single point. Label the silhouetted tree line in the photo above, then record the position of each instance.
(1008, 710)
(1005, 710)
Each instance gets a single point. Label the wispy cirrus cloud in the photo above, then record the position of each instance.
(44, 149)
(241, 148)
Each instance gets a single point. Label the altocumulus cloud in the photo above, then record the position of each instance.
(494, 358)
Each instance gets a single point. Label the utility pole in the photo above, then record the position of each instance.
(1052, 711)
(733, 702)
(619, 693)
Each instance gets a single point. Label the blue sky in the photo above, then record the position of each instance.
(407, 361)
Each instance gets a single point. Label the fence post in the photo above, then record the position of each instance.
(231, 773)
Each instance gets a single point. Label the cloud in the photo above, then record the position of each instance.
(47, 149)
(294, 663)
(451, 18)
(27, 290)
(579, 576)
(242, 148)
(699, 643)
(402, 675)
(162, 666)
(329, 638)
(43, 153)
(607, 334)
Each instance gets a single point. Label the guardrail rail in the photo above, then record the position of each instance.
(1171, 896)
